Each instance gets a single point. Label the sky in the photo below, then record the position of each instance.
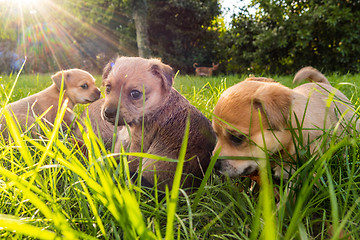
(233, 5)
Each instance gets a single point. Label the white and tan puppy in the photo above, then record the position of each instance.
(259, 111)
(147, 98)
(79, 87)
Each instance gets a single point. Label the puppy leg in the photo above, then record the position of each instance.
(122, 139)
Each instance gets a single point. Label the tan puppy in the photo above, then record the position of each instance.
(137, 80)
(79, 87)
(237, 121)
(100, 126)
(205, 71)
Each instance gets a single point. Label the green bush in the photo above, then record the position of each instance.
(284, 36)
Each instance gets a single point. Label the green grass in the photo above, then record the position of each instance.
(49, 189)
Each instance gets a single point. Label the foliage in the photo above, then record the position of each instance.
(284, 36)
(280, 37)
(52, 36)
(238, 43)
(179, 32)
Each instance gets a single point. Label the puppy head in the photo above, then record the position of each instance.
(130, 82)
(238, 116)
(79, 85)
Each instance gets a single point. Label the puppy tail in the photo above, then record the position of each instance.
(310, 73)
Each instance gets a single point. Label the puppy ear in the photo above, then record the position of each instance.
(274, 100)
(57, 78)
(163, 71)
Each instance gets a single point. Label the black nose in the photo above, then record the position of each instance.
(110, 113)
(217, 165)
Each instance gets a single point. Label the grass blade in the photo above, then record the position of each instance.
(171, 209)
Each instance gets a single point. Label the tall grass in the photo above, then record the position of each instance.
(50, 189)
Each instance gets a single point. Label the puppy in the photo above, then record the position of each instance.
(101, 127)
(147, 98)
(243, 108)
(79, 87)
(205, 71)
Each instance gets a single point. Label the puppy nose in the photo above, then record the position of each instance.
(110, 113)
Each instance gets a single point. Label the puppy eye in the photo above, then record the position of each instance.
(108, 89)
(135, 94)
(84, 86)
(237, 140)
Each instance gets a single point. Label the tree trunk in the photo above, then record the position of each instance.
(140, 18)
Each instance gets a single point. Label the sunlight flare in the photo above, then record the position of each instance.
(50, 35)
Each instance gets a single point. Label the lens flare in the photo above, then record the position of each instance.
(53, 35)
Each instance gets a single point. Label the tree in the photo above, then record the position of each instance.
(139, 12)
(81, 32)
(179, 30)
(124, 19)
(287, 35)
(238, 43)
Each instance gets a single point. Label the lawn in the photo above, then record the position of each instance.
(49, 188)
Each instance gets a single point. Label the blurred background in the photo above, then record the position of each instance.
(244, 37)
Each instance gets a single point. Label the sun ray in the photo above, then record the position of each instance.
(54, 37)
(22, 26)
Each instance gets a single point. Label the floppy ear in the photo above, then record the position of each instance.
(275, 102)
(57, 78)
(165, 72)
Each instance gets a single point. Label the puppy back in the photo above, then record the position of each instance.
(166, 128)
(310, 73)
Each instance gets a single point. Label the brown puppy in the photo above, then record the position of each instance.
(79, 87)
(137, 80)
(205, 71)
(237, 120)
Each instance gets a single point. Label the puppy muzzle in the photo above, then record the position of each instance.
(109, 115)
(96, 94)
(228, 167)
